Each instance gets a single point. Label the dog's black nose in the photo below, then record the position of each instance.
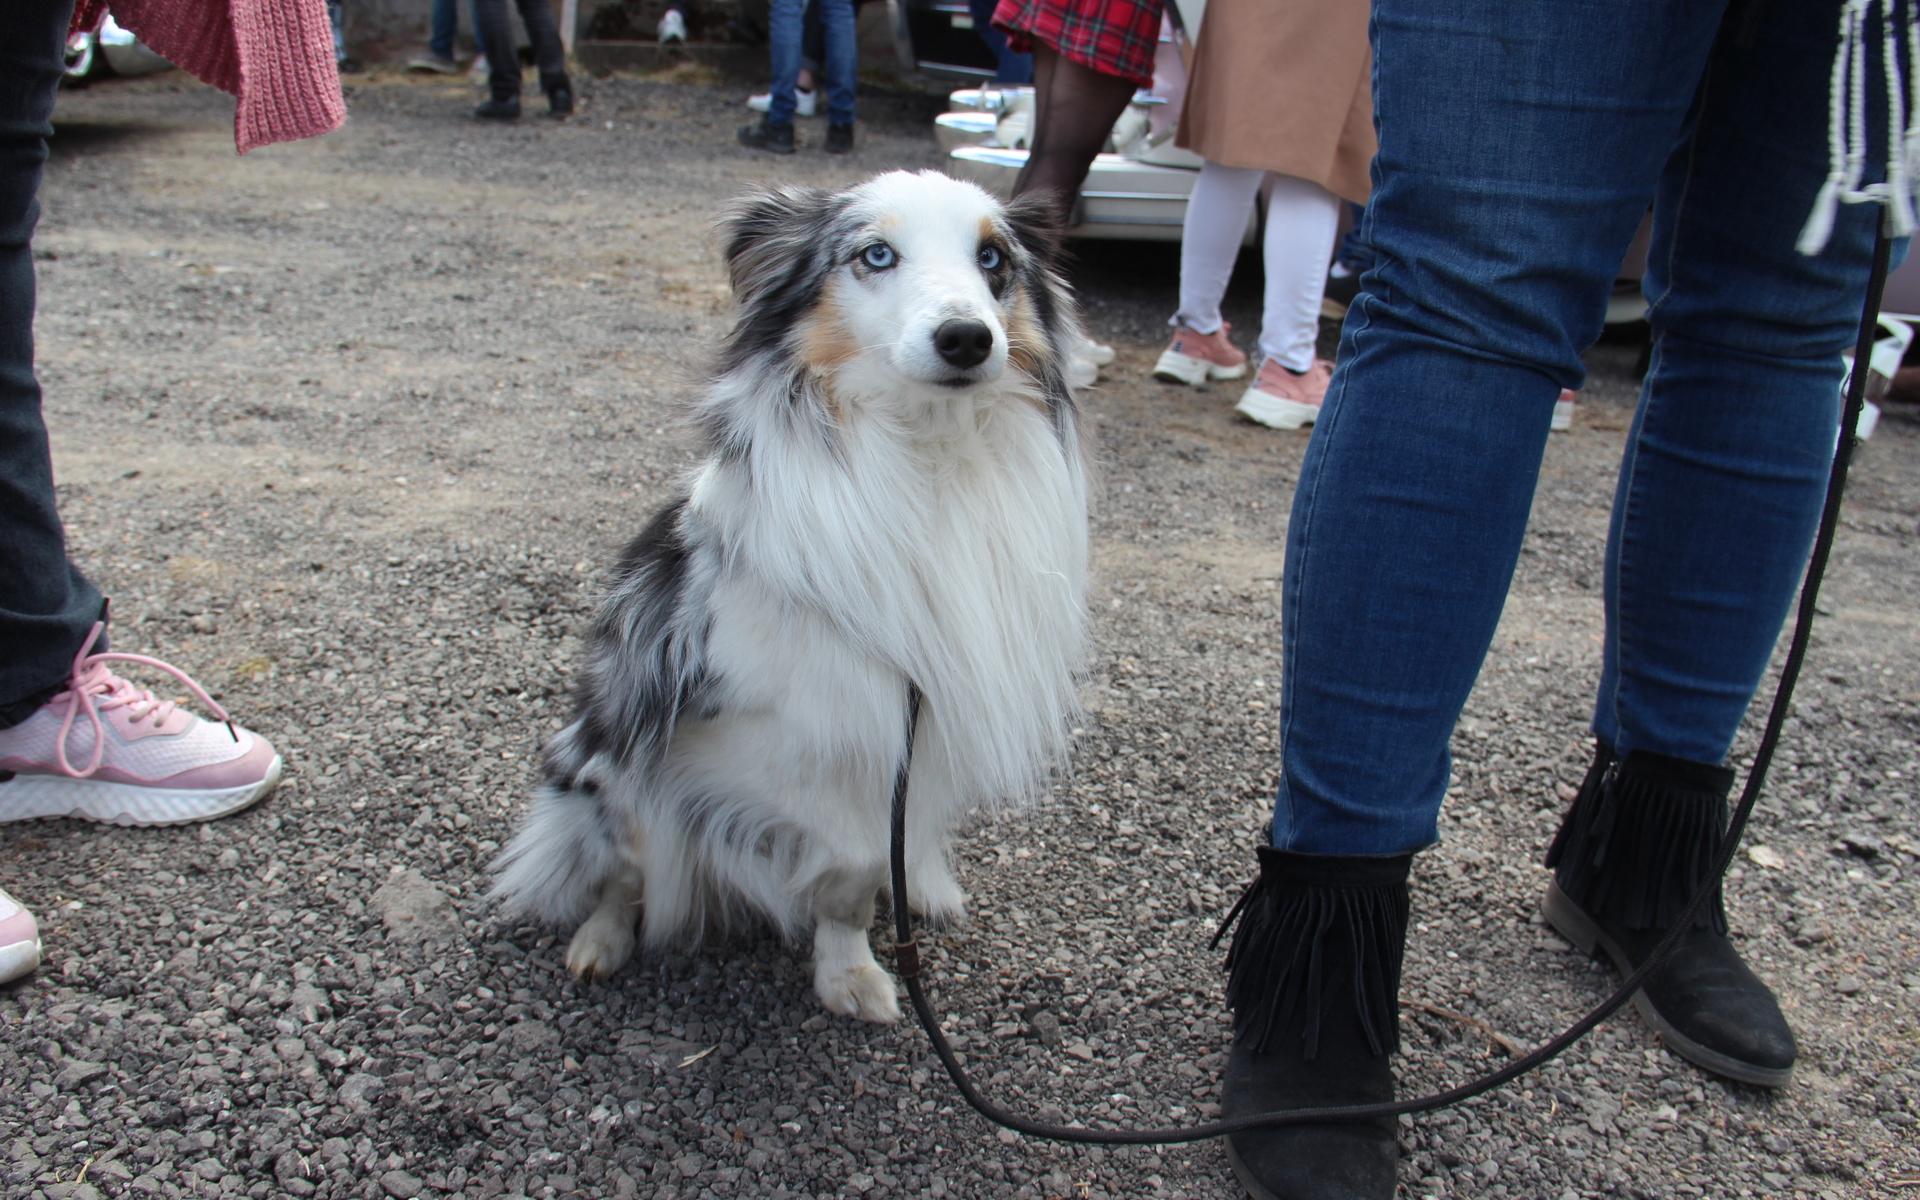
(963, 343)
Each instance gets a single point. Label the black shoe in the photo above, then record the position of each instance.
(499, 108)
(839, 139)
(1314, 982)
(765, 135)
(1639, 840)
(559, 90)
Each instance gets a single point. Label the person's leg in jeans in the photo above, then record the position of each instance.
(1008, 66)
(813, 47)
(136, 759)
(46, 605)
(443, 27)
(841, 63)
(1519, 147)
(494, 31)
(549, 52)
(1718, 499)
(785, 19)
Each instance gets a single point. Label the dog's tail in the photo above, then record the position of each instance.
(566, 847)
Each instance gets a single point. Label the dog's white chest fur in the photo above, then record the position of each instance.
(952, 555)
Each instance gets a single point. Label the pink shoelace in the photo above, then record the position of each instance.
(96, 689)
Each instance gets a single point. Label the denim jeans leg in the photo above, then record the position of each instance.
(784, 19)
(836, 17)
(46, 605)
(549, 54)
(442, 27)
(1519, 147)
(495, 32)
(1726, 466)
(813, 42)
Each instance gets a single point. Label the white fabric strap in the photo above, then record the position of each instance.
(1847, 123)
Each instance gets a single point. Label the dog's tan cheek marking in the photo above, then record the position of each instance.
(1024, 335)
(825, 345)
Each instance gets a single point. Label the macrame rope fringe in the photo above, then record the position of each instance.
(1898, 20)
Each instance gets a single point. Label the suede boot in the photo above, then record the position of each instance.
(1639, 840)
(1313, 978)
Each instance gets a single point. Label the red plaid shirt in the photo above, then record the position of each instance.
(1114, 37)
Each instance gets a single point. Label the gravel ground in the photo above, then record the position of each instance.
(349, 428)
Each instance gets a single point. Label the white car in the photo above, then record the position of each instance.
(109, 51)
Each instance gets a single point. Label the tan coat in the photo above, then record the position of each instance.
(1284, 85)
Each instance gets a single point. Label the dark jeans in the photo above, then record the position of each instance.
(503, 58)
(46, 605)
(1520, 146)
(1011, 67)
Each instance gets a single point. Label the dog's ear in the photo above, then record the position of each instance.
(766, 231)
(1035, 220)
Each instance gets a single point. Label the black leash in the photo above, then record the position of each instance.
(907, 949)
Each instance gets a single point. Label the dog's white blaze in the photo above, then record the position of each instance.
(935, 227)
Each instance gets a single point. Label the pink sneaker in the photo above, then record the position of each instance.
(1279, 399)
(109, 751)
(19, 940)
(1563, 411)
(1193, 358)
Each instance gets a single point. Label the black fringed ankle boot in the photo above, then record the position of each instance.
(1639, 840)
(1313, 978)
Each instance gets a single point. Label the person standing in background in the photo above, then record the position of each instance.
(503, 59)
(773, 133)
(1276, 99)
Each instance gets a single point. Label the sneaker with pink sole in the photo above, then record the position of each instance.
(19, 940)
(1562, 412)
(1194, 358)
(106, 750)
(1279, 399)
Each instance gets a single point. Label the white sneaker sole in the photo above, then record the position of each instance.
(1276, 413)
(801, 108)
(1562, 416)
(32, 797)
(1175, 367)
(19, 959)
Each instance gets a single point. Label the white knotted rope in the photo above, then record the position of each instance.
(1847, 122)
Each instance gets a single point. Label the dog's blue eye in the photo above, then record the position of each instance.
(879, 256)
(990, 258)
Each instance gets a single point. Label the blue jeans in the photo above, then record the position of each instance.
(46, 604)
(1520, 146)
(784, 36)
(443, 26)
(1008, 66)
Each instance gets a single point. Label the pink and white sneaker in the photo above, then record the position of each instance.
(1279, 399)
(1562, 412)
(1193, 358)
(108, 751)
(19, 940)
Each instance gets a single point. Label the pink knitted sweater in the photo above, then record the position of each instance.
(275, 56)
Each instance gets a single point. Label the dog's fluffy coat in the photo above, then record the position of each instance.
(868, 512)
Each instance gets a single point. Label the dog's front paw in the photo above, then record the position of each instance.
(601, 945)
(866, 992)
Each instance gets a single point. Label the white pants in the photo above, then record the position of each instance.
(1302, 219)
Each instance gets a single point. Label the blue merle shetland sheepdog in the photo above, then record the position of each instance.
(894, 489)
